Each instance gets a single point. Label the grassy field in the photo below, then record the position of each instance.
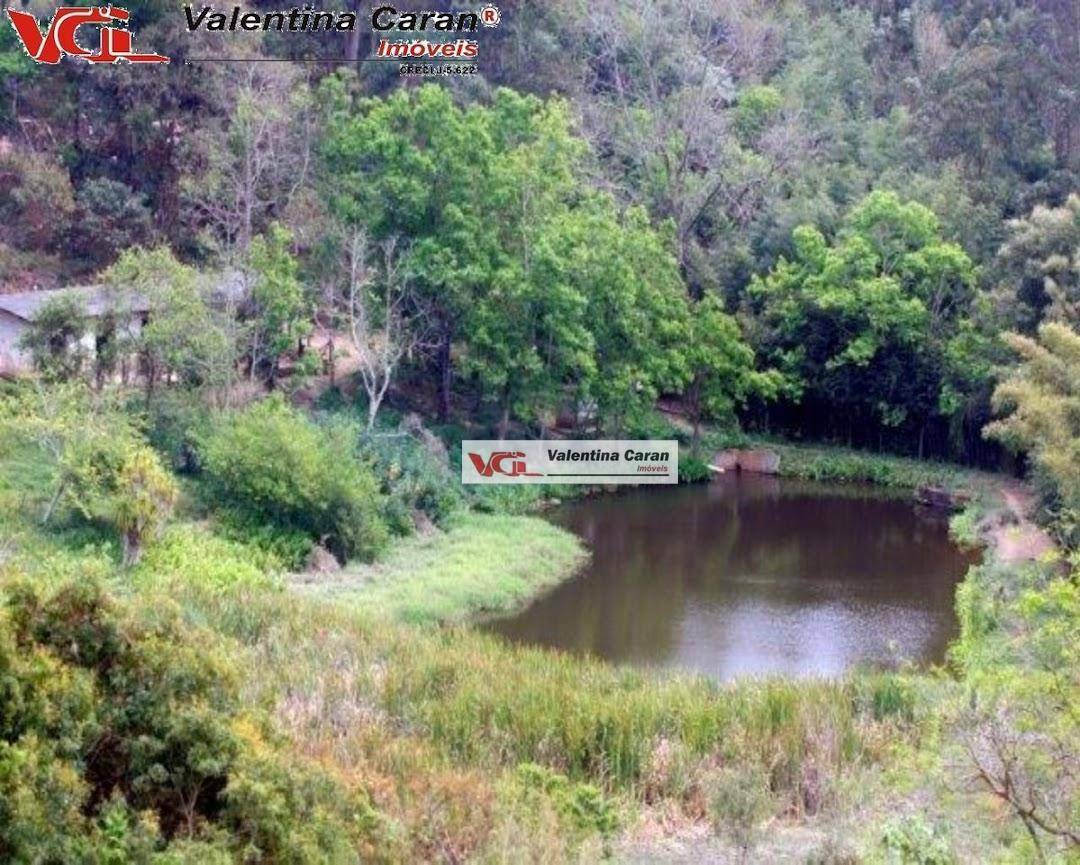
(481, 563)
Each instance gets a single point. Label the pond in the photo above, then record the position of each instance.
(752, 575)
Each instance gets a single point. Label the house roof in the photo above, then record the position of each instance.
(25, 304)
(96, 300)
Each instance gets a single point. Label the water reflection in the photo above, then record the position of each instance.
(752, 575)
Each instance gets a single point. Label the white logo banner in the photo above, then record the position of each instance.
(594, 461)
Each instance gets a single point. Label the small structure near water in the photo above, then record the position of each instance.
(757, 460)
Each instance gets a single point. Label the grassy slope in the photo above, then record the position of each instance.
(435, 723)
(482, 563)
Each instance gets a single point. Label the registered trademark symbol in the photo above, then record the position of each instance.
(490, 16)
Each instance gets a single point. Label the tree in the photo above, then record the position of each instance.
(721, 364)
(667, 124)
(412, 165)
(185, 338)
(860, 327)
(273, 466)
(1038, 268)
(144, 497)
(244, 166)
(36, 195)
(383, 318)
(633, 307)
(54, 337)
(1041, 402)
(101, 467)
(112, 217)
(280, 316)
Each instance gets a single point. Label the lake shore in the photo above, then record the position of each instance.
(480, 564)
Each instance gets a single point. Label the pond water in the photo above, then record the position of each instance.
(752, 575)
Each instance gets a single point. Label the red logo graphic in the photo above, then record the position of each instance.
(494, 465)
(490, 16)
(48, 47)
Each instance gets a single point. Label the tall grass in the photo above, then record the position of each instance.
(475, 701)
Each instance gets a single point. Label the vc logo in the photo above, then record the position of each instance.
(496, 464)
(48, 47)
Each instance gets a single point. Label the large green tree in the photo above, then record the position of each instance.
(185, 338)
(861, 325)
(537, 290)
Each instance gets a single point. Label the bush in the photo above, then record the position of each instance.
(271, 465)
(120, 739)
(413, 479)
(913, 841)
(583, 805)
(693, 470)
(738, 801)
(200, 558)
(175, 416)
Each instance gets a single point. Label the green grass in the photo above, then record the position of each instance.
(482, 563)
(826, 463)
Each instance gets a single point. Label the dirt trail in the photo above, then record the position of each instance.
(1014, 536)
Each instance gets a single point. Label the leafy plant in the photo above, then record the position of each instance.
(271, 465)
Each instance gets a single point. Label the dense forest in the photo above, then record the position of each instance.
(238, 571)
(863, 196)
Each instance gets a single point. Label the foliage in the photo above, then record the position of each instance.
(184, 337)
(852, 466)
(112, 218)
(738, 802)
(1040, 399)
(270, 464)
(1037, 271)
(195, 555)
(37, 196)
(583, 804)
(693, 470)
(722, 374)
(280, 316)
(100, 466)
(480, 564)
(120, 738)
(54, 338)
(913, 841)
(1017, 733)
(413, 479)
(862, 325)
(557, 296)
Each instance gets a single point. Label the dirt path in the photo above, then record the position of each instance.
(1013, 535)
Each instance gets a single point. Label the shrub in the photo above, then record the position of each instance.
(692, 470)
(271, 465)
(583, 805)
(738, 800)
(175, 415)
(98, 464)
(122, 484)
(121, 737)
(206, 561)
(913, 841)
(413, 479)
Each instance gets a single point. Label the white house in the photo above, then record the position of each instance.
(18, 310)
